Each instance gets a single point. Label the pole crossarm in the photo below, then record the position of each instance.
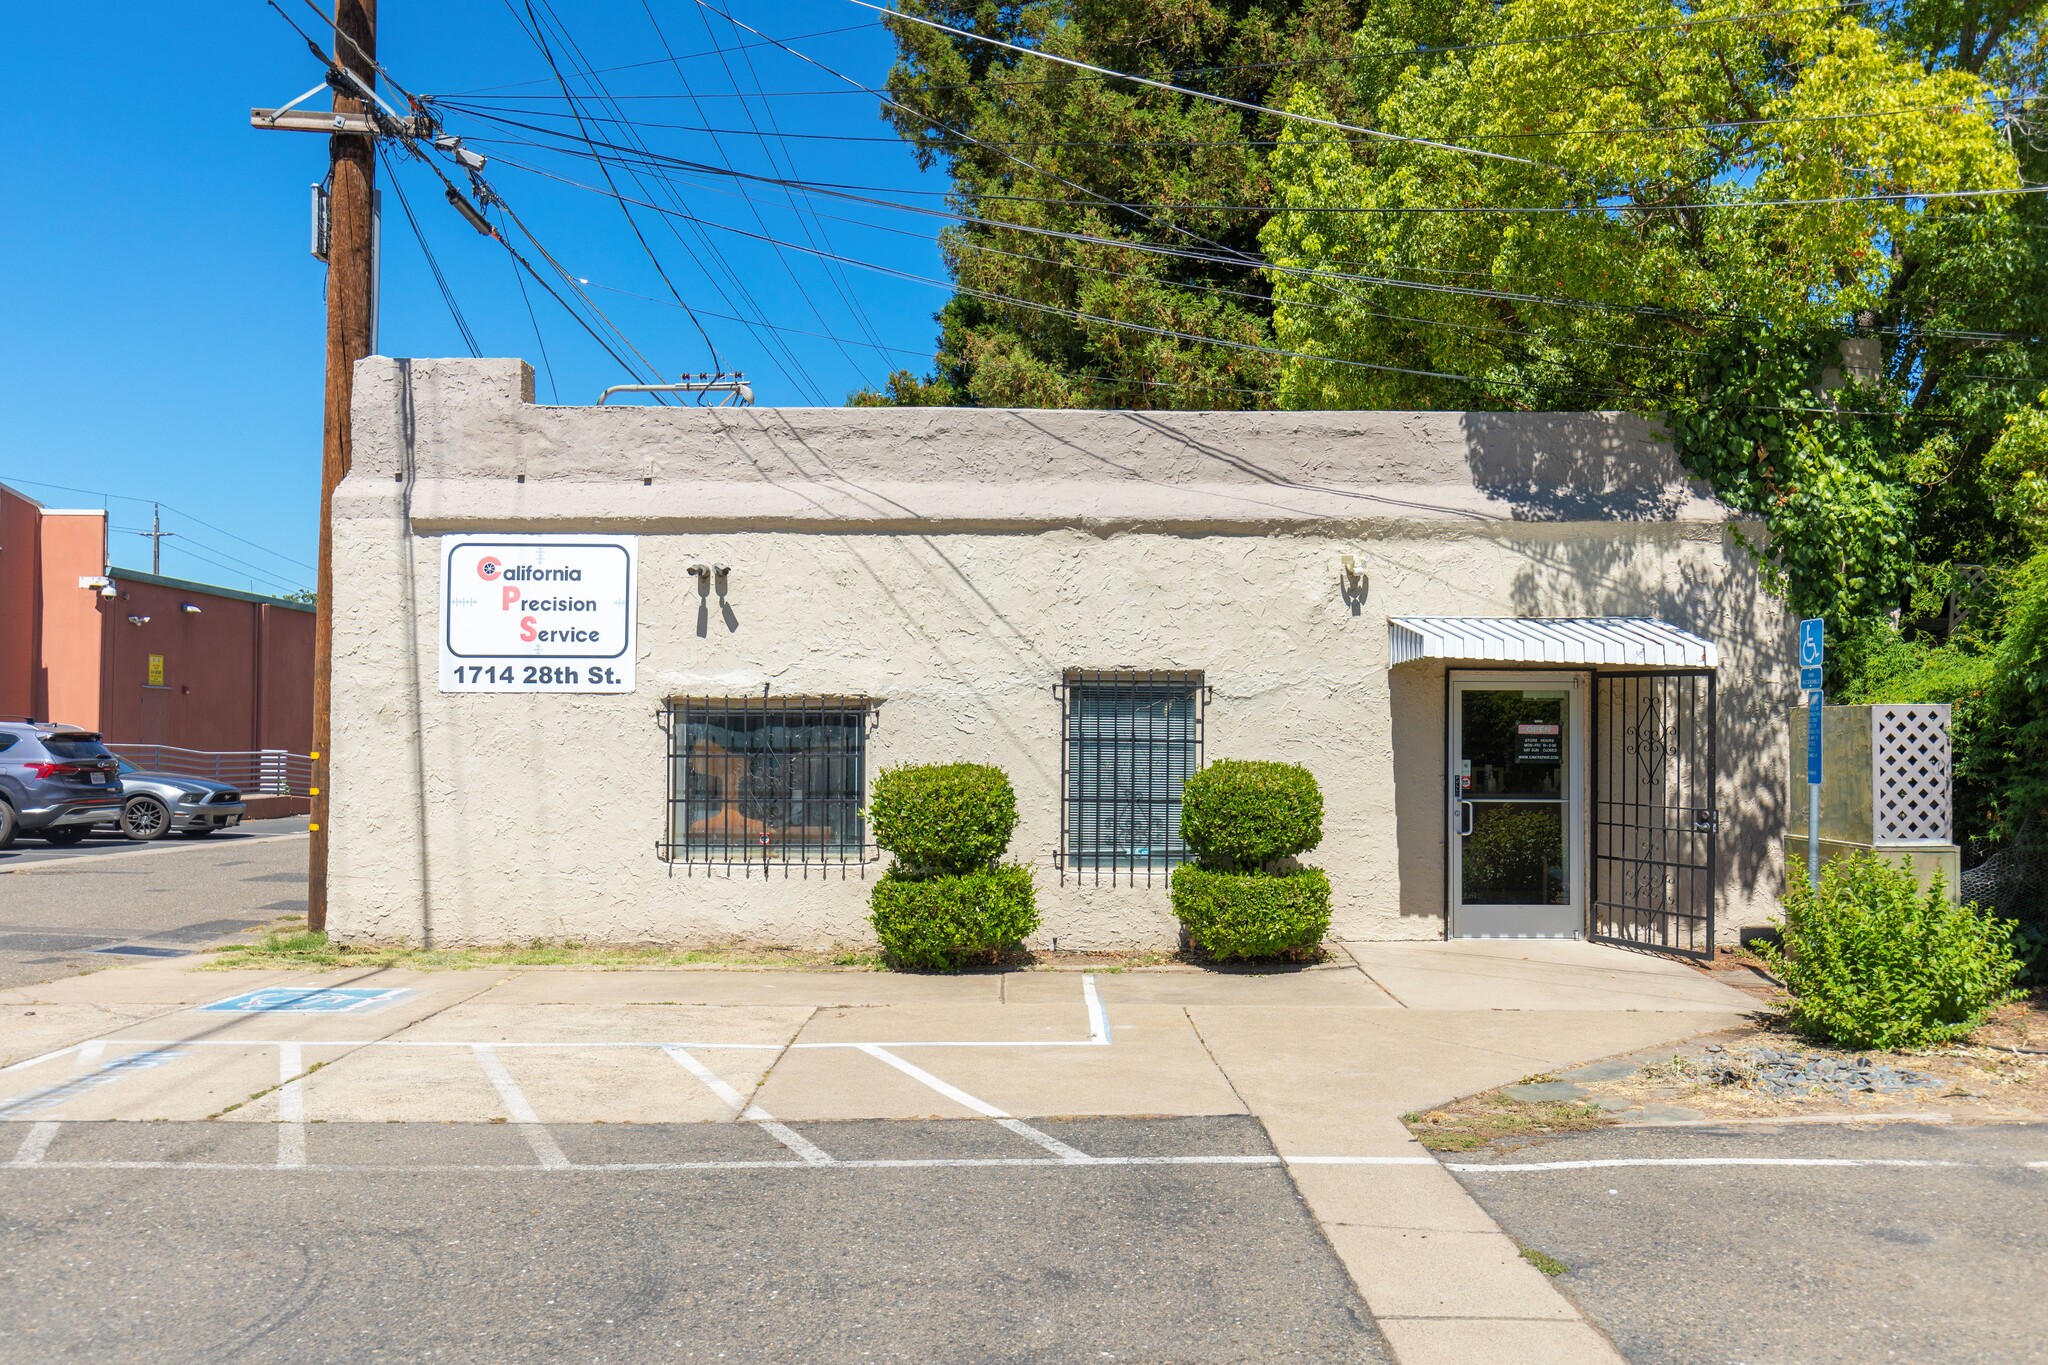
(291, 120)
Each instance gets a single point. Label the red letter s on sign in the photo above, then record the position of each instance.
(526, 630)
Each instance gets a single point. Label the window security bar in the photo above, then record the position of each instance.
(768, 782)
(1130, 739)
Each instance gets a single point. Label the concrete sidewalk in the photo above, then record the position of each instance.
(1326, 1059)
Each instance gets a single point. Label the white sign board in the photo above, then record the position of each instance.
(538, 613)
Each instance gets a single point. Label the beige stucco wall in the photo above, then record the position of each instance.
(953, 563)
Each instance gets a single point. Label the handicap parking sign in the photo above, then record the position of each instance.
(305, 1000)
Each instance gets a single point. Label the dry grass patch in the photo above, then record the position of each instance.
(1473, 1122)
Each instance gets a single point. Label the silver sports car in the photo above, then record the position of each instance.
(156, 803)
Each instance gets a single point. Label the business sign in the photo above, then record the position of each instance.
(156, 670)
(538, 613)
(1812, 653)
(1539, 743)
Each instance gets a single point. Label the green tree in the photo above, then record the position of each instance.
(1664, 271)
(1033, 148)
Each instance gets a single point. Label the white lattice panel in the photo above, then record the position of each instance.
(1911, 775)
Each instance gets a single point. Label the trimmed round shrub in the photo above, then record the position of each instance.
(1253, 914)
(943, 817)
(1872, 961)
(941, 923)
(1238, 814)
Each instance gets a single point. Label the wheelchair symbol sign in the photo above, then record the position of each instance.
(1812, 643)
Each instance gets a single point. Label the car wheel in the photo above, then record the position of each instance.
(145, 818)
(200, 832)
(64, 836)
(6, 825)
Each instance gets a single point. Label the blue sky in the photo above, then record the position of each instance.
(165, 322)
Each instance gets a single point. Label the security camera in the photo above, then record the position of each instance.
(110, 591)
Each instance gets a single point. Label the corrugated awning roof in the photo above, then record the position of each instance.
(1621, 641)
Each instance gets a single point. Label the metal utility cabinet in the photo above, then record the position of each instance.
(1887, 787)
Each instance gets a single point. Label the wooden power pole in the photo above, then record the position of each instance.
(352, 161)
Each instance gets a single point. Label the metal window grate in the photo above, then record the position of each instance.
(768, 782)
(1131, 739)
(1655, 825)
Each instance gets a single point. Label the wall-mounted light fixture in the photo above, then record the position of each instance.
(189, 609)
(138, 620)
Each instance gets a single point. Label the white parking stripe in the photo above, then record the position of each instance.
(979, 1106)
(712, 1081)
(812, 1154)
(38, 1060)
(518, 1110)
(291, 1107)
(1098, 1018)
(90, 1054)
(862, 1164)
(40, 1135)
(1608, 1163)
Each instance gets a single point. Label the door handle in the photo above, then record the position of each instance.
(1465, 816)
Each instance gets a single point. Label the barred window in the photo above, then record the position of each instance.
(776, 781)
(1132, 739)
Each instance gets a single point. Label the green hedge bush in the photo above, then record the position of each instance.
(1253, 914)
(943, 818)
(1241, 815)
(1243, 896)
(1872, 961)
(946, 901)
(941, 923)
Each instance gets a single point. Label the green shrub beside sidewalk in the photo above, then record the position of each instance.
(1872, 961)
(946, 900)
(1244, 896)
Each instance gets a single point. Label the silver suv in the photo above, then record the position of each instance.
(55, 780)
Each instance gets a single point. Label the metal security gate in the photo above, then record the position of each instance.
(1654, 821)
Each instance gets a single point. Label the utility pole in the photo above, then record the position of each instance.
(352, 167)
(156, 534)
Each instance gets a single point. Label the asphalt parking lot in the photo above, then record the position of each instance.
(1790, 1244)
(911, 1250)
(70, 910)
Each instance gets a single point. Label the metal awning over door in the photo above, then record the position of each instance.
(1594, 641)
(1652, 823)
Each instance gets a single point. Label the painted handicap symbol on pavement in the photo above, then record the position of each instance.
(305, 1000)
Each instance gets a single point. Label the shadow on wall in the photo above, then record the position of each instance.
(1415, 701)
(1567, 467)
(1606, 576)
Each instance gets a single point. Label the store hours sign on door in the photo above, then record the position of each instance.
(523, 613)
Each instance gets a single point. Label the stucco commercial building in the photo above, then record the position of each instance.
(146, 660)
(1534, 670)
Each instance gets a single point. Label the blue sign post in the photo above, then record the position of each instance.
(1812, 655)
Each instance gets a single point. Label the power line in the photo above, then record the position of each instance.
(856, 193)
(1948, 106)
(1189, 91)
(126, 497)
(784, 358)
(440, 280)
(653, 61)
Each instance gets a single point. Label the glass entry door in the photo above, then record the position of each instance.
(1516, 806)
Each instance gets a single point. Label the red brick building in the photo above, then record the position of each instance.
(141, 658)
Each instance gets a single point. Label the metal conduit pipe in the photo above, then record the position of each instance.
(735, 385)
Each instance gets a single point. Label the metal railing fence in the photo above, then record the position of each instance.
(257, 772)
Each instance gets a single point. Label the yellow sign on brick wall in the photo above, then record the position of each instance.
(156, 670)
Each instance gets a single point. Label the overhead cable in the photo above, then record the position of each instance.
(1192, 93)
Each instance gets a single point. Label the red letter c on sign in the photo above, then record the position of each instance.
(487, 568)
